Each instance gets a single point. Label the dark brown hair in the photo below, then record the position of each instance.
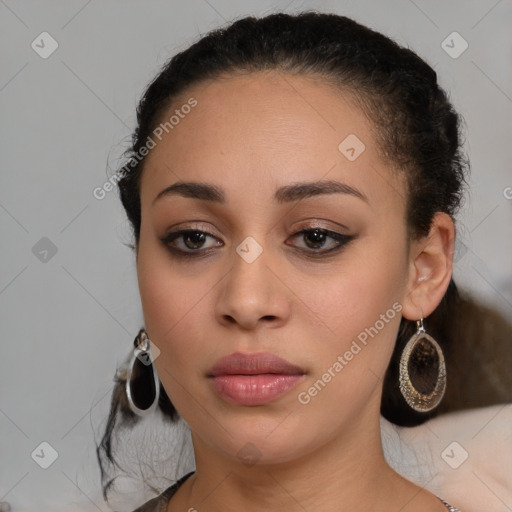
(416, 126)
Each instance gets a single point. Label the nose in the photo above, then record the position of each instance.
(251, 294)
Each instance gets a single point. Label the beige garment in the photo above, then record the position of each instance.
(465, 456)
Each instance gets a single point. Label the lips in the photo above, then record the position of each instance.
(253, 364)
(253, 379)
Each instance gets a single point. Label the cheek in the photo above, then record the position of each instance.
(360, 312)
(175, 305)
(358, 292)
(167, 292)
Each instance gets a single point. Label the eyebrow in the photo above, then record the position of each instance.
(285, 194)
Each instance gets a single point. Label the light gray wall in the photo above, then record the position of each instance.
(67, 322)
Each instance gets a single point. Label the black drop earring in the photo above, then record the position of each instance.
(142, 382)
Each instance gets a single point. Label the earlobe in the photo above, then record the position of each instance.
(430, 268)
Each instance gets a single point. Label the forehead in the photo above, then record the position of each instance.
(257, 106)
(266, 127)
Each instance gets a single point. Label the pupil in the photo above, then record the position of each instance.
(316, 236)
(196, 238)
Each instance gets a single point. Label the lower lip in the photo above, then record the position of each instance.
(254, 389)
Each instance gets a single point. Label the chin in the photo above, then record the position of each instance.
(266, 441)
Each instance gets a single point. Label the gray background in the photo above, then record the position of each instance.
(68, 319)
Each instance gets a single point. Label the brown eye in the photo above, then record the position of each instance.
(189, 242)
(317, 238)
(314, 238)
(196, 239)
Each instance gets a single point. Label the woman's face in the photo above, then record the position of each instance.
(248, 282)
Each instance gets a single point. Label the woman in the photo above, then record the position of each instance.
(292, 187)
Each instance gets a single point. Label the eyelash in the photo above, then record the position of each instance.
(168, 240)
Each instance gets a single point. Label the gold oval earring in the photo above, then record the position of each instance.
(422, 355)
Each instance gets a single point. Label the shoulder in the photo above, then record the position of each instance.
(464, 456)
(159, 504)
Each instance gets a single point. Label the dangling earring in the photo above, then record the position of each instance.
(421, 388)
(142, 383)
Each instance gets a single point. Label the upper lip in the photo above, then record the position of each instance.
(239, 363)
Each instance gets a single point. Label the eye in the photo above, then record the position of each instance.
(317, 238)
(187, 241)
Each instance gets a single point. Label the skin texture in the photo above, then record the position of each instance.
(250, 135)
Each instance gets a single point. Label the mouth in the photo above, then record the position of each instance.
(254, 379)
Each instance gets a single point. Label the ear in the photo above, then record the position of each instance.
(430, 268)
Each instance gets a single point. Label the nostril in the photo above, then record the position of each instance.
(230, 319)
